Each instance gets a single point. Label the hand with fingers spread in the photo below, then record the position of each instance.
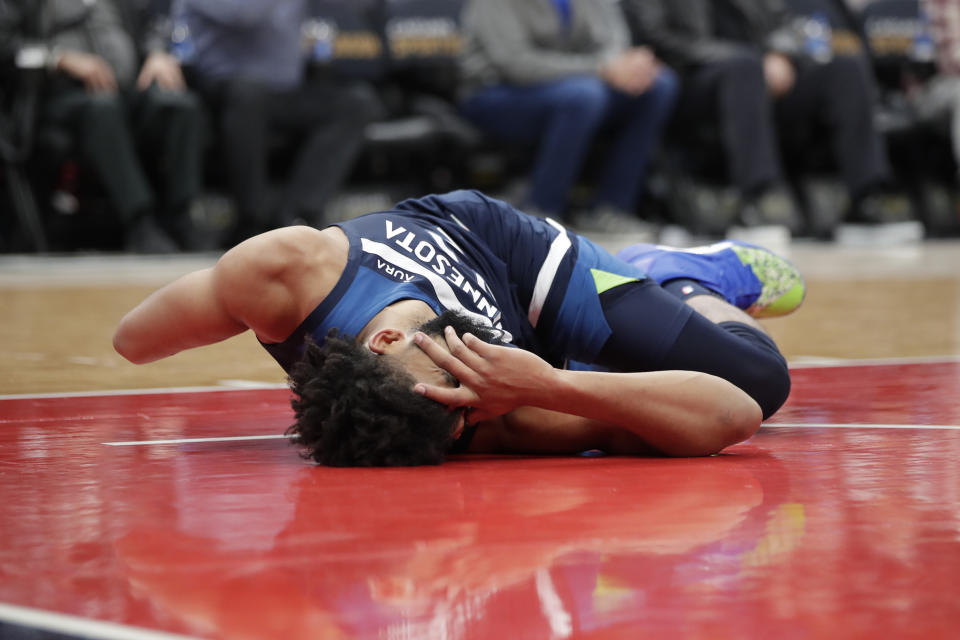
(493, 379)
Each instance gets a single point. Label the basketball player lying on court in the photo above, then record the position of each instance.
(457, 323)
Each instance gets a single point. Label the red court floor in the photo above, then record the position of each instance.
(840, 519)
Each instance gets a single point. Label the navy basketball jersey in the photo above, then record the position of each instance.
(479, 256)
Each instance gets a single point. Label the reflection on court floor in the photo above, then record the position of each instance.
(188, 513)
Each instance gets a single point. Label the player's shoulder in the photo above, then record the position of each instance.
(274, 280)
(297, 248)
(295, 239)
(454, 202)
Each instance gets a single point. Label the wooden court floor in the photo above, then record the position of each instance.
(182, 512)
(59, 314)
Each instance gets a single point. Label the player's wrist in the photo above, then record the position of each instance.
(554, 386)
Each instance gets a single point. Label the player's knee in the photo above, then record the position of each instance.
(772, 383)
(760, 370)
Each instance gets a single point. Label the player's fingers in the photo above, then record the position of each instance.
(443, 358)
(450, 396)
(484, 349)
(463, 352)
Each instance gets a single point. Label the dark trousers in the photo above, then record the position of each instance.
(564, 118)
(674, 336)
(146, 148)
(325, 120)
(836, 97)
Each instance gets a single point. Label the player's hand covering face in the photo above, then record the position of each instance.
(494, 379)
(422, 367)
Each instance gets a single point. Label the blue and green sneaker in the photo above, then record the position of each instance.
(747, 276)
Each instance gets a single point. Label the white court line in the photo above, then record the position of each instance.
(81, 627)
(830, 363)
(232, 386)
(831, 425)
(134, 443)
(244, 385)
(781, 425)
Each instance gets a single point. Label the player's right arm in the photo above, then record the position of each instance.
(268, 283)
(548, 410)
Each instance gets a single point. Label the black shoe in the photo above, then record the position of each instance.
(826, 203)
(146, 236)
(704, 209)
(882, 207)
(880, 218)
(772, 206)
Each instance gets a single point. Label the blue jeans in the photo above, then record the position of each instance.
(564, 117)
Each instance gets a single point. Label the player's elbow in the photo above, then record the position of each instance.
(735, 417)
(738, 421)
(734, 420)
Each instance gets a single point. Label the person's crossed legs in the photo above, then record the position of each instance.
(697, 320)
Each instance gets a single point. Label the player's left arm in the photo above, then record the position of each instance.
(252, 286)
(680, 413)
(186, 313)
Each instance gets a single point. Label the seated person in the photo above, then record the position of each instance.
(379, 321)
(940, 95)
(559, 74)
(246, 60)
(124, 102)
(743, 66)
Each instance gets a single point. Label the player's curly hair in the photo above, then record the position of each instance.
(355, 408)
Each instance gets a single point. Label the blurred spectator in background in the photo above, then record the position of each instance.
(744, 66)
(940, 96)
(116, 111)
(245, 57)
(558, 73)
